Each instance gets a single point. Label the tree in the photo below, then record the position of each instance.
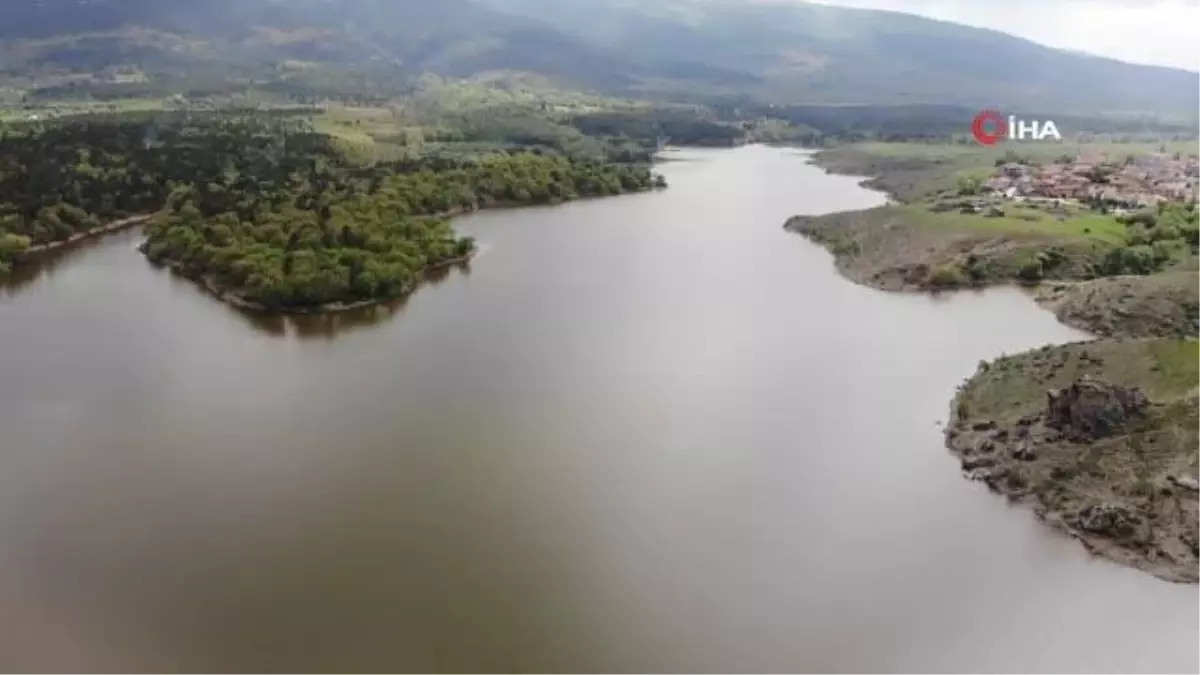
(968, 185)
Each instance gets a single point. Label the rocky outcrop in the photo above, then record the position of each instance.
(1090, 409)
(1115, 522)
(1189, 484)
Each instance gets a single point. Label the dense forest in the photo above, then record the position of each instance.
(333, 236)
(676, 127)
(69, 176)
(265, 208)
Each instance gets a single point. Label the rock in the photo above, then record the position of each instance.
(973, 463)
(914, 274)
(1191, 543)
(1160, 554)
(1015, 482)
(984, 426)
(1062, 473)
(1025, 452)
(1027, 421)
(1002, 435)
(994, 477)
(1092, 408)
(1185, 483)
(985, 447)
(1117, 522)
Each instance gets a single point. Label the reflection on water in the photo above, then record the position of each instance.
(42, 268)
(334, 324)
(653, 433)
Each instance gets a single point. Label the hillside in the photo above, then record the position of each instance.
(781, 53)
(818, 53)
(51, 40)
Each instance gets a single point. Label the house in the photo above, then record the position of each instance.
(997, 184)
(1014, 170)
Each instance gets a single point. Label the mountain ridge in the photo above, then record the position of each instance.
(775, 52)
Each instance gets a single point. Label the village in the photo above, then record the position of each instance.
(1136, 183)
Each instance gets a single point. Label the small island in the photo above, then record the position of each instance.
(1099, 438)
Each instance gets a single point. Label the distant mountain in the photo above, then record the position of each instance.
(819, 53)
(785, 52)
(448, 37)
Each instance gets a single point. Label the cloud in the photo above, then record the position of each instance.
(1158, 32)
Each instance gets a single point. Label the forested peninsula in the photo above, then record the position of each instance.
(266, 212)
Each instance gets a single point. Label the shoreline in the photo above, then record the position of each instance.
(1095, 544)
(911, 280)
(911, 246)
(208, 285)
(99, 231)
(1126, 493)
(1008, 455)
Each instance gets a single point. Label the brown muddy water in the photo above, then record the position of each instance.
(649, 433)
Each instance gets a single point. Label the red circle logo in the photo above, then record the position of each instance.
(989, 127)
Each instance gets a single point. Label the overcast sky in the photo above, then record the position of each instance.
(1160, 32)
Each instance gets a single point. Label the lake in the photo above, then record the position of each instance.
(647, 433)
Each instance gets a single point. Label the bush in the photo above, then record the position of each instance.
(1165, 232)
(1032, 271)
(1145, 218)
(1036, 266)
(968, 186)
(844, 246)
(978, 268)
(1138, 236)
(1168, 250)
(1130, 260)
(1191, 235)
(947, 276)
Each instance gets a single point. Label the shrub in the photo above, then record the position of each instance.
(947, 276)
(1165, 232)
(1191, 235)
(1145, 218)
(978, 269)
(1167, 250)
(1130, 260)
(1032, 271)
